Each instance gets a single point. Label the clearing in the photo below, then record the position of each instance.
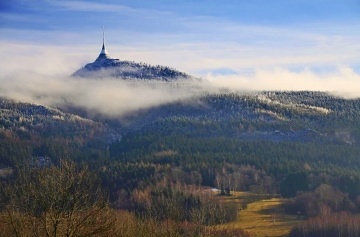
(262, 217)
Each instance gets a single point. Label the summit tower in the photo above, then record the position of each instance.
(103, 54)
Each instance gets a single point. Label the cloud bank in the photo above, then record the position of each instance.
(343, 81)
(40, 74)
(119, 97)
(106, 96)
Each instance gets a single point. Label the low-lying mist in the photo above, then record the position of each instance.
(343, 81)
(110, 97)
(116, 97)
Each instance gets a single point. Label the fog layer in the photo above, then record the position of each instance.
(41, 75)
(117, 97)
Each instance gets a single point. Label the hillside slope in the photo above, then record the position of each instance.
(106, 67)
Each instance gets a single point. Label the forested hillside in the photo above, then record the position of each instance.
(302, 145)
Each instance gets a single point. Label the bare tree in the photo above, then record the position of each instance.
(56, 201)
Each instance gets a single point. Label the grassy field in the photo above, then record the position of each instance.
(263, 217)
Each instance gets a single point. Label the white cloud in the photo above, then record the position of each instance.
(89, 6)
(118, 97)
(343, 82)
(43, 59)
(107, 96)
(199, 44)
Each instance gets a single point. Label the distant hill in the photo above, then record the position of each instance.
(106, 67)
(272, 116)
(115, 68)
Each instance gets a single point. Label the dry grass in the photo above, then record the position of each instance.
(263, 218)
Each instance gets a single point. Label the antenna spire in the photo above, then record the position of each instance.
(103, 52)
(103, 36)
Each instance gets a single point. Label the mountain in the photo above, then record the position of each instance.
(106, 67)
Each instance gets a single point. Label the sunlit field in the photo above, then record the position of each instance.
(263, 217)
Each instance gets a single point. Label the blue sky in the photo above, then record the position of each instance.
(207, 38)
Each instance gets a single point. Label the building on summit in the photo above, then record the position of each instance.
(106, 67)
(103, 54)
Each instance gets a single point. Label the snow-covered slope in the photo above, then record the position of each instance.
(129, 70)
(106, 67)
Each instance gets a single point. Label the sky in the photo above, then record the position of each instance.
(242, 44)
(200, 37)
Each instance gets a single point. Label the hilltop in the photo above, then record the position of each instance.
(106, 67)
